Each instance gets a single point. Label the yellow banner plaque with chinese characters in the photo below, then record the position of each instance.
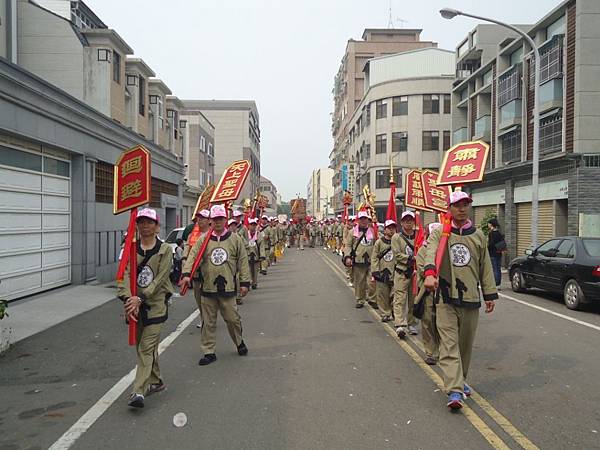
(464, 163)
(132, 180)
(414, 192)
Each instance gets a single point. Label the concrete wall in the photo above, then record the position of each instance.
(96, 79)
(48, 47)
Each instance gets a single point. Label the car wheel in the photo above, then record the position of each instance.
(573, 295)
(516, 281)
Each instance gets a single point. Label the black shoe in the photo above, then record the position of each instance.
(156, 387)
(430, 360)
(136, 401)
(373, 305)
(207, 359)
(263, 272)
(254, 286)
(242, 349)
(359, 305)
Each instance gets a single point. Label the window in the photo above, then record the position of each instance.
(551, 134)
(210, 150)
(446, 142)
(592, 247)
(368, 115)
(431, 104)
(548, 247)
(487, 77)
(202, 144)
(131, 80)
(381, 143)
(56, 167)
(382, 178)
(509, 86)
(161, 118)
(23, 160)
(565, 249)
(116, 67)
(381, 109)
(463, 48)
(400, 106)
(474, 39)
(516, 56)
(103, 54)
(202, 177)
(511, 146)
(447, 103)
(142, 96)
(399, 141)
(550, 62)
(104, 182)
(210, 178)
(431, 140)
(557, 27)
(367, 151)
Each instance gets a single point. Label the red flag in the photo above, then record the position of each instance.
(419, 239)
(391, 209)
(127, 245)
(446, 230)
(133, 287)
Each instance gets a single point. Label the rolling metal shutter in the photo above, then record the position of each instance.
(35, 222)
(545, 224)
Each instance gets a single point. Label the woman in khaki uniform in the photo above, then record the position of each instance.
(382, 270)
(149, 307)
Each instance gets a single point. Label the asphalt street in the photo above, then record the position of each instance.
(319, 374)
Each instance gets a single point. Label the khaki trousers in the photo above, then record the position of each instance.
(147, 371)
(403, 301)
(361, 275)
(197, 286)
(429, 333)
(457, 327)
(264, 264)
(229, 312)
(384, 297)
(254, 272)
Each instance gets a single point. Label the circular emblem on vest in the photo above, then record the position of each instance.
(366, 241)
(460, 255)
(252, 243)
(218, 256)
(145, 277)
(388, 256)
(409, 251)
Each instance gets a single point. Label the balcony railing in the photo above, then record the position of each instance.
(460, 135)
(483, 127)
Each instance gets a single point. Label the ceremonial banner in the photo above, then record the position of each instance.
(463, 163)
(414, 192)
(204, 199)
(231, 182)
(436, 197)
(131, 180)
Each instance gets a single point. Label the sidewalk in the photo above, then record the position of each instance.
(39, 312)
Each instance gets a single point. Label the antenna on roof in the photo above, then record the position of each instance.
(390, 20)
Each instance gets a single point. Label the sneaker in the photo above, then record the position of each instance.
(199, 325)
(239, 301)
(401, 332)
(207, 359)
(136, 401)
(412, 330)
(467, 390)
(263, 272)
(373, 305)
(386, 318)
(455, 400)
(430, 360)
(359, 305)
(156, 387)
(351, 284)
(242, 349)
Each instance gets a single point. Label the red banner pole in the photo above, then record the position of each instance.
(133, 280)
(198, 259)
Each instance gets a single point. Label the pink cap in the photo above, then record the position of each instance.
(362, 214)
(390, 222)
(457, 196)
(204, 213)
(237, 213)
(264, 216)
(230, 221)
(254, 220)
(434, 226)
(407, 214)
(218, 211)
(149, 213)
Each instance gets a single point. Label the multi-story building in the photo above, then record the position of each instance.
(73, 99)
(320, 193)
(349, 89)
(268, 189)
(493, 99)
(237, 135)
(403, 120)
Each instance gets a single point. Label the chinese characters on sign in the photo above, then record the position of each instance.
(415, 194)
(436, 197)
(232, 182)
(131, 180)
(463, 163)
(204, 199)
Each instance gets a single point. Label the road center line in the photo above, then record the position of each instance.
(100, 407)
(549, 311)
(475, 420)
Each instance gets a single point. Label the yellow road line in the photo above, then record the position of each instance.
(502, 421)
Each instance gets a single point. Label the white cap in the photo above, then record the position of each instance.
(204, 213)
(390, 222)
(148, 213)
(407, 214)
(253, 220)
(352, 217)
(217, 211)
(264, 216)
(237, 213)
(434, 226)
(362, 214)
(230, 221)
(457, 196)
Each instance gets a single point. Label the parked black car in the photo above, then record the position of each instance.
(569, 264)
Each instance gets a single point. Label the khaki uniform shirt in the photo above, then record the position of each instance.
(382, 260)
(360, 248)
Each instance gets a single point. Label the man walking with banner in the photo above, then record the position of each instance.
(403, 248)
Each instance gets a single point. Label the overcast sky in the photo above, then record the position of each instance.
(282, 54)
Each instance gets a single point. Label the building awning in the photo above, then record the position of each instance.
(508, 130)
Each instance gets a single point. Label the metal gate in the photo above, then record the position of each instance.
(545, 224)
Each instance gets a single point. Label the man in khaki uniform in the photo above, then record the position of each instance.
(382, 270)
(255, 250)
(149, 308)
(429, 334)
(357, 254)
(346, 236)
(264, 231)
(273, 235)
(465, 268)
(403, 246)
(224, 258)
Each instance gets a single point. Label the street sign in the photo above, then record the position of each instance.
(132, 180)
(414, 196)
(464, 163)
(436, 197)
(231, 182)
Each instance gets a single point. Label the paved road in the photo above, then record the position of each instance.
(320, 374)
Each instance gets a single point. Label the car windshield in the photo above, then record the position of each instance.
(592, 247)
(172, 237)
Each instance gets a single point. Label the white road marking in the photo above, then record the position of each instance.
(549, 311)
(100, 407)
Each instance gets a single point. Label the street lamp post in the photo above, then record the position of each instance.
(448, 13)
